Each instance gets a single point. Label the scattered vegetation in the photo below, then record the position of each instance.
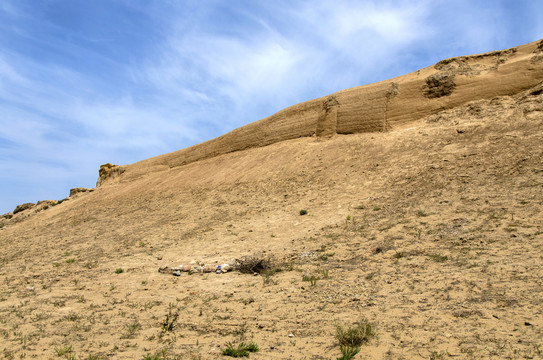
(438, 257)
(162, 355)
(437, 355)
(119, 271)
(63, 350)
(131, 330)
(421, 213)
(171, 318)
(241, 350)
(303, 212)
(348, 352)
(355, 336)
(312, 279)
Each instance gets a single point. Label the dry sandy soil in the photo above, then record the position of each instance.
(432, 232)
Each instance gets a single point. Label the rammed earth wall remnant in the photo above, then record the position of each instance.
(108, 172)
(327, 120)
(382, 106)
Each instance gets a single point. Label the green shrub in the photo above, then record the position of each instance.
(242, 350)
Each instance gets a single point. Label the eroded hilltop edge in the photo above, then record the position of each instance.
(382, 106)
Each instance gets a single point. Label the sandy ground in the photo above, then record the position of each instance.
(433, 233)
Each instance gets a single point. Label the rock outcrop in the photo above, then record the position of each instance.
(79, 190)
(23, 207)
(108, 172)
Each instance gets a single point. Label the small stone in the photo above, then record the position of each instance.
(226, 267)
(290, 335)
(185, 268)
(176, 273)
(159, 257)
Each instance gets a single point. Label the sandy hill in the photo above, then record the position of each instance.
(412, 205)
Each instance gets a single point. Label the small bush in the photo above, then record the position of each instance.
(303, 212)
(119, 271)
(355, 336)
(257, 264)
(242, 350)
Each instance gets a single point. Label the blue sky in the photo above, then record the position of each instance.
(85, 82)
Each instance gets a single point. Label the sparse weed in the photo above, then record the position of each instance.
(160, 356)
(421, 213)
(437, 355)
(119, 271)
(70, 261)
(324, 257)
(303, 212)
(355, 336)
(312, 279)
(63, 350)
(171, 317)
(131, 330)
(268, 280)
(241, 350)
(348, 352)
(438, 257)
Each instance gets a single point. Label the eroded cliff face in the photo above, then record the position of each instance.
(378, 107)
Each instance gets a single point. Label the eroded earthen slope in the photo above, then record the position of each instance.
(383, 106)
